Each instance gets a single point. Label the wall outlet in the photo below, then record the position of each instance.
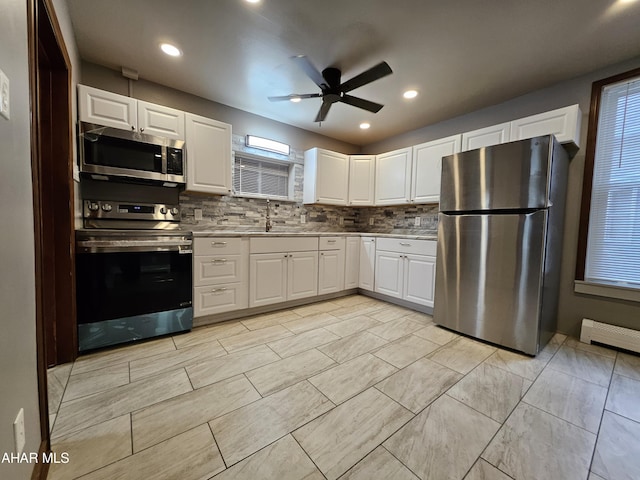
(341, 221)
(303, 218)
(371, 220)
(4, 95)
(416, 221)
(197, 213)
(18, 432)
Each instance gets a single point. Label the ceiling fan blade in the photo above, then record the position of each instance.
(293, 95)
(322, 113)
(374, 73)
(312, 72)
(361, 103)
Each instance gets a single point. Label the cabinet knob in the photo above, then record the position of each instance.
(133, 127)
(142, 129)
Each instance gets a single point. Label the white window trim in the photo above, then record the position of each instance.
(609, 291)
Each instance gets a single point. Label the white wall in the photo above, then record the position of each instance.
(18, 373)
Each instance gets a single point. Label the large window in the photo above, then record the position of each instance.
(261, 178)
(611, 253)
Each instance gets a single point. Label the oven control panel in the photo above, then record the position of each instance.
(107, 211)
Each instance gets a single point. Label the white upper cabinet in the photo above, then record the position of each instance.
(106, 108)
(427, 167)
(326, 177)
(126, 113)
(564, 123)
(208, 151)
(162, 121)
(393, 177)
(362, 169)
(485, 137)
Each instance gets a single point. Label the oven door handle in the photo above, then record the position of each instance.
(97, 246)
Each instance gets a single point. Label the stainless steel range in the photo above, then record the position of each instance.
(134, 273)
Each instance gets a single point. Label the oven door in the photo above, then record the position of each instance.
(132, 293)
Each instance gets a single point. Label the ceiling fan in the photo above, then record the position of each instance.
(333, 91)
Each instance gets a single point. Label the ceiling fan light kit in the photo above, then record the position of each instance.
(332, 91)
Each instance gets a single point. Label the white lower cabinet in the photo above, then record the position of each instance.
(351, 262)
(367, 263)
(220, 275)
(302, 275)
(405, 269)
(331, 265)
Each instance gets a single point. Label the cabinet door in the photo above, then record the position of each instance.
(326, 177)
(162, 121)
(564, 123)
(330, 271)
(485, 137)
(208, 149)
(302, 275)
(389, 274)
(419, 279)
(361, 179)
(367, 263)
(427, 168)
(352, 262)
(217, 269)
(267, 278)
(106, 108)
(393, 177)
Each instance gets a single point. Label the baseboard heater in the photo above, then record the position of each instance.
(613, 335)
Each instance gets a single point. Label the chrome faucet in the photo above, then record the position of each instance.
(268, 225)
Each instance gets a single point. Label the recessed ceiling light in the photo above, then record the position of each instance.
(295, 99)
(365, 125)
(410, 94)
(171, 50)
(253, 1)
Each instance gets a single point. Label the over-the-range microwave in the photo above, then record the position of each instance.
(110, 153)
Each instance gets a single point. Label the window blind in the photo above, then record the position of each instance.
(613, 245)
(261, 177)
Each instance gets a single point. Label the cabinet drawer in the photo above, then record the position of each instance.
(283, 244)
(221, 298)
(217, 269)
(403, 245)
(216, 245)
(331, 243)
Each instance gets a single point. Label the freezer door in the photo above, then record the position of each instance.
(513, 175)
(489, 277)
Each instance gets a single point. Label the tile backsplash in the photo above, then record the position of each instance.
(248, 214)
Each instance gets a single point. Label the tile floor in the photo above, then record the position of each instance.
(352, 388)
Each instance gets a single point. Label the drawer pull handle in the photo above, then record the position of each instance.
(405, 244)
(217, 290)
(219, 260)
(213, 244)
(331, 241)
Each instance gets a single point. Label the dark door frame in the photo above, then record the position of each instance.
(53, 200)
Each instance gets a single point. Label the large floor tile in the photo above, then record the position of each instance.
(379, 464)
(423, 318)
(92, 448)
(390, 312)
(406, 350)
(282, 460)
(624, 397)
(344, 381)
(617, 455)
(352, 346)
(99, 407)
(284, 373)
(518, 363)
(351, 300)
(588, 347)
(208, 334)
(254, 337)
(87, 383)
(462, 355)
(483, 470)
(533, 444)
(250, 428)
(175, 359)
(356, 310)
(628, 365)
(171, 417)
(395, 329)
(192, 455)
(57, 378)
(490, 390)
(269, 319)
(338, 440)
(230, 365)
(107, 358)
(589, 366)
(302, 342)
(311, 322)
(344, 328)
(419, 384)
(443, 441)
(436, 334)
(314, 308)
(570, 398)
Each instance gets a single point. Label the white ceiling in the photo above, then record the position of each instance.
(460, 55)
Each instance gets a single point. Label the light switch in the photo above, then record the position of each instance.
(197, 213)
(4, 96)
(303, 218)
(416, 221)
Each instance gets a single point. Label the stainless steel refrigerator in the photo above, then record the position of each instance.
(500, 240)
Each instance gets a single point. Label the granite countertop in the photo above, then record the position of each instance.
(229, 233)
